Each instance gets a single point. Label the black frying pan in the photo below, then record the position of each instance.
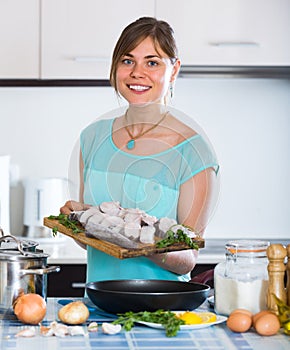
(119, 296)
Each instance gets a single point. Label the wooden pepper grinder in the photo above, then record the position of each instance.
(276, 269)
(288, 274)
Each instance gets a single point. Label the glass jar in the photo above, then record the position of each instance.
(241, 281)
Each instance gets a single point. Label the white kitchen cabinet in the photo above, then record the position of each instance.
(19, 39)
(78, 36)
(230, 32)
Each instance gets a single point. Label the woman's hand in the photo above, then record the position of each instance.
(73, 206)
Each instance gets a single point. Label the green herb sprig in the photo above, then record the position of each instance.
(167, 318)
(64, 219)
(176, 237)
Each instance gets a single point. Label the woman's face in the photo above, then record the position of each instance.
(143, 75)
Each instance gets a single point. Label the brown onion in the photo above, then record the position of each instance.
(30, 308)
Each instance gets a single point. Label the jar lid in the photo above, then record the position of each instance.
(247, 247)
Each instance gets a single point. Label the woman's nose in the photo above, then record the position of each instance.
(137, 71)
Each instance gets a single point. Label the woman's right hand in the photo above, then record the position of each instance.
(73, 206)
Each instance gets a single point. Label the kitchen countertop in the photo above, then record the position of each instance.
(217, 337)
(64, 250)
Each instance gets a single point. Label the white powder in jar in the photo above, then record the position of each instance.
(231, 294)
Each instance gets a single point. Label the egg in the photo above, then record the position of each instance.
(259, 314)
(243, 311)
(267, 324)
(239, 322)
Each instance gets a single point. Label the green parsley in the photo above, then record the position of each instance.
(63, 219)
(167, 318)
(178, 237)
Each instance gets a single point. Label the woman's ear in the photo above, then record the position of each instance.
(175, 70)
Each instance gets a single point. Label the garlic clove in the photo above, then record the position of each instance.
(109, 328)
(26, 333)
(93, 327)
(76, 330)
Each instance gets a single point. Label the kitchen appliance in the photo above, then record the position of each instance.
(119, 296)
(4, 193)
(42, 197)
(23, 269)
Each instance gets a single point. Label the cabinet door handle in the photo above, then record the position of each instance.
(84, 59)
(234, 43)
(78, 285)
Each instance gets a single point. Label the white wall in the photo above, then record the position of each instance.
(247, 120)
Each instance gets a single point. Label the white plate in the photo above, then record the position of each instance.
(220, 319)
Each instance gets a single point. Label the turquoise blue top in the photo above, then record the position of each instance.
(150, 183)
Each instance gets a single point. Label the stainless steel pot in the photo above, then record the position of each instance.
(23, 269)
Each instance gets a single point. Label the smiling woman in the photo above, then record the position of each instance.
(147, 157)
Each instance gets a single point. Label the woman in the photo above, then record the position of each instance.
(146, 158)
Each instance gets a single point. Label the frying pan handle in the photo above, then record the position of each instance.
(204, 277)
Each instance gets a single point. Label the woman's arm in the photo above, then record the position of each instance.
(194, 208)
(74, 205)
(196, 200)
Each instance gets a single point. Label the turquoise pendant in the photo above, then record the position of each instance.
(131, 144)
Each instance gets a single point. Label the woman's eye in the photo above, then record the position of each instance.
(127, 61)
(152, 64)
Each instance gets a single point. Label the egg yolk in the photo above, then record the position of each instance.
(190, 317)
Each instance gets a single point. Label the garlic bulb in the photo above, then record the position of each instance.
(75, 312)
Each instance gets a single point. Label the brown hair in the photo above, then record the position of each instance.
(160, 32)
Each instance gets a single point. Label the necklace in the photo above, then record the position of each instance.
(131, 143)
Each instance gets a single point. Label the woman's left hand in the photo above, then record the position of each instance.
(73, 206)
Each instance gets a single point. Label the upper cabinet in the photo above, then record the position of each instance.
(74, 39)
(78, 36)
(229, 32)
(19, 39)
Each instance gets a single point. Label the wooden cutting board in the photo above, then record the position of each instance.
(113, 249)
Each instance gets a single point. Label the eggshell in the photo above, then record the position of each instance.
(243, 311)
(259, 314)
(239, 322)
(267, 324)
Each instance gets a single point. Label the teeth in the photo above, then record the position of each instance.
(138, 87)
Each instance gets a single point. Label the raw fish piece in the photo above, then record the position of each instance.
(147, 234)
(133, 217)
(149, 219)
(106, 234)
(118, 228)
(164, 225)
(132, 230)
(112, 221)
(111, 208)
(97, 218)
(87, 214)
(184, 229)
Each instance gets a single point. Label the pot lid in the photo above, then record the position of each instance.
(12, 247)
(10, 244)
(12, 255)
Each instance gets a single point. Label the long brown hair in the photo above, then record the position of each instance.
(160, 32)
